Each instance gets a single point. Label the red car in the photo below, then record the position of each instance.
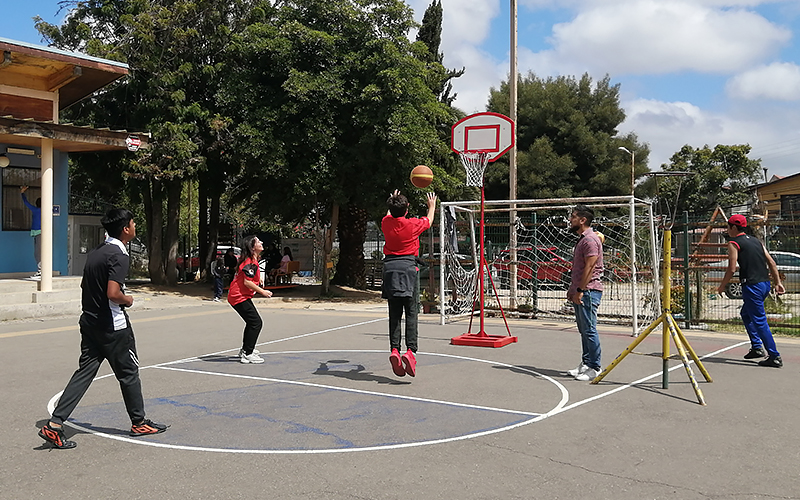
(194, 261)
(544, 263)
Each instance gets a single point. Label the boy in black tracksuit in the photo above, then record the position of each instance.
(106, 333)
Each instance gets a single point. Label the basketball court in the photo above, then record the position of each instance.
(325, 417)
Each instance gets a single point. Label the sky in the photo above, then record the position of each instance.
(696, 72)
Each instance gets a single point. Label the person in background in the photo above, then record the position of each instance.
(586, 290)
(218, 272)
(283, 268)
(399, 286)
(755, 267)
(230, 265)
(36, 229)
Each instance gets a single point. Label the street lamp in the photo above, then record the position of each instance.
(633, 175)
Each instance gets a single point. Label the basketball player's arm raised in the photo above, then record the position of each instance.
(116, 295)
(431, 200)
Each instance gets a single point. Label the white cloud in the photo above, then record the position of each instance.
(668, 126)
(779, 81)
(663, 36)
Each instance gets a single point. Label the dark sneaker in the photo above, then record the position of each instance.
(397, 364)
(410, 363)
(772, 362)
(755, 354)
(55, 436)
(147, 427)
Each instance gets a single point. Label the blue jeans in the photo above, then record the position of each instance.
(217, 287)
(755, 318)
(586, 316)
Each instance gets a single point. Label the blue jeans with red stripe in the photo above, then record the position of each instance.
(755, 317)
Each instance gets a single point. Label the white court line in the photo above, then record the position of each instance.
(347, 389)
(310, 334)
(535, 416)
(560, 408)
(645, 379)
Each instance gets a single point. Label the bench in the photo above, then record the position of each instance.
(292, 267)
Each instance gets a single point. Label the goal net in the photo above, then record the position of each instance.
(528, 246)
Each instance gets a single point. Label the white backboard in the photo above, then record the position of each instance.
(490, 132)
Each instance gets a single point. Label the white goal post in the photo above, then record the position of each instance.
(531, 277)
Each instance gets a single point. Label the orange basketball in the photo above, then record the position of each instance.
(421, 176)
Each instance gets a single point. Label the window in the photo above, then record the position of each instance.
(90, 238)
(790, 205)
(16, 216)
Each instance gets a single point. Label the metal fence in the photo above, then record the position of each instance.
(699, 262)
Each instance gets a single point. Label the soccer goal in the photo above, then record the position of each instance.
(528, 248)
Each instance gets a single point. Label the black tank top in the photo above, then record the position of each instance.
(752, 261)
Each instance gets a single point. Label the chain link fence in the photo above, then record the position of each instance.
(699, 260)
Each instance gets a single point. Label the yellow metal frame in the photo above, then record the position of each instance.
(670, 330)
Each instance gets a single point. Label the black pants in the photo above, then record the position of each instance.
(252, 327)
(119, 348)
(396, 308)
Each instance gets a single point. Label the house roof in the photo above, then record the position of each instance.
(66, 137)
(74, 75)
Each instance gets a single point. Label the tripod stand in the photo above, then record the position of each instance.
(670, 326)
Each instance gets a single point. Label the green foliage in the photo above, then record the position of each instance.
(721, 176)
(567, 140)
(332, 106)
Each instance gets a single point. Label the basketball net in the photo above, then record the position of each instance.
(475, 164)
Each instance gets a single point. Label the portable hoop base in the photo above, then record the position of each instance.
(483, 340)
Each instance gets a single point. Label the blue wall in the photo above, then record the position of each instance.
(16, 247)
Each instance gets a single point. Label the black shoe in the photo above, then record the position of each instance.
(772, 361)
(755, 353)
(146, 427)
(55, 436)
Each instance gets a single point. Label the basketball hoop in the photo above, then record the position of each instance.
(475, 164)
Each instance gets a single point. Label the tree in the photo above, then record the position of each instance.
(720, 178)
(174, 49)
(333, 109)
(567, 140)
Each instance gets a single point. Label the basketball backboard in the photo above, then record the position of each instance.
(490, 132)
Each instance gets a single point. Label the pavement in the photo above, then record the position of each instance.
(325, 417)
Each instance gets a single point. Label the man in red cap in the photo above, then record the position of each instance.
(755, 268)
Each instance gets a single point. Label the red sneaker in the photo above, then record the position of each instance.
(410, 363)
(397, 365)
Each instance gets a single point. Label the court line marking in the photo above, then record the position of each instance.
(562, 407)
(347, 389)
(644, 379)
(294, 337)
(76, 328)
(535, 416)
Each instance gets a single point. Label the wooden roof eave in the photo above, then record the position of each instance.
(66, 138)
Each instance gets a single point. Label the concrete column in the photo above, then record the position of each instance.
(46, 284)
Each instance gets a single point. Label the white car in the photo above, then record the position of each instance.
(788, 266)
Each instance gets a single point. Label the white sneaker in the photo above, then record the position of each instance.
(241, 352)
(216, 299)
(587, 375)
(251, 358)
(577, 371)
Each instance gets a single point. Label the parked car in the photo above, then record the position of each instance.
(222, 249)
(194, 260)
(788, 266)
(544, 263)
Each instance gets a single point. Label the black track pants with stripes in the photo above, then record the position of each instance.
(119, 348)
